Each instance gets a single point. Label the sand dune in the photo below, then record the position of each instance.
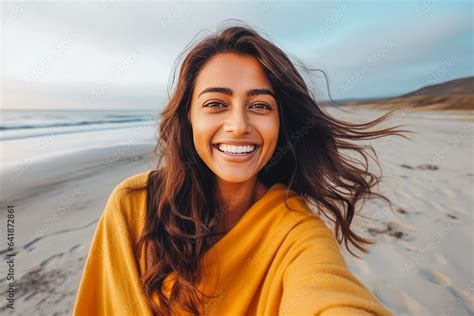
(454, 95)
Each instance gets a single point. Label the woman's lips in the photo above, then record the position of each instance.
(236, 157)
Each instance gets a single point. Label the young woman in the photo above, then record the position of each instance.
(223, 226)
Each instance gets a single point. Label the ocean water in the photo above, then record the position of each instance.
(30, 135)
(34, 123)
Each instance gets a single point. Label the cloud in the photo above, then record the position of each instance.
(361, 58)
(83, 96)
(82, 44)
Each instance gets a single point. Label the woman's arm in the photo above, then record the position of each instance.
(318, 281)
(110, 280)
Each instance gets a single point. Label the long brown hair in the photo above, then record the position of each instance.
(312, 157)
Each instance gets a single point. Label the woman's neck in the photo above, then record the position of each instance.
(234, 199)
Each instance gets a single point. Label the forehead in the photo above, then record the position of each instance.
(234, 71)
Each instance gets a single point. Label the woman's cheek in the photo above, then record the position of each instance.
(269, 130)
(203, 131)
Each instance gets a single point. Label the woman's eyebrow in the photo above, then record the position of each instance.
(228, 91)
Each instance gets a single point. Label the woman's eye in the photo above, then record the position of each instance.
(261, 106)
(221, 105)
(214, 105)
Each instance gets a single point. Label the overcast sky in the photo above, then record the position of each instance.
(119, 54)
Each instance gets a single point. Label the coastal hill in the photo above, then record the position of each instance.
(453, 95)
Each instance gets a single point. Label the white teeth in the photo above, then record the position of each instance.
(237, 149)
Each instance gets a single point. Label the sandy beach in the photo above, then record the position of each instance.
(54, 224)
(422, 263)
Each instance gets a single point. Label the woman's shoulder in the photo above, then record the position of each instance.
(127, 200)
(137, 179)
(310, 229)
(303, 213)
(131, 187)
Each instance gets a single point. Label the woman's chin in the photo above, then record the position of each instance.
(234, 177)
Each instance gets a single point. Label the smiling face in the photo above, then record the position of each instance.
(234, 117)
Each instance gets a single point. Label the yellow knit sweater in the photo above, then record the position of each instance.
(274, 261)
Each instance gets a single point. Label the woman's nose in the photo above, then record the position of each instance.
(237, 122)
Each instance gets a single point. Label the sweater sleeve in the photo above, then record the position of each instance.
(110, 280)
(317, 280)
